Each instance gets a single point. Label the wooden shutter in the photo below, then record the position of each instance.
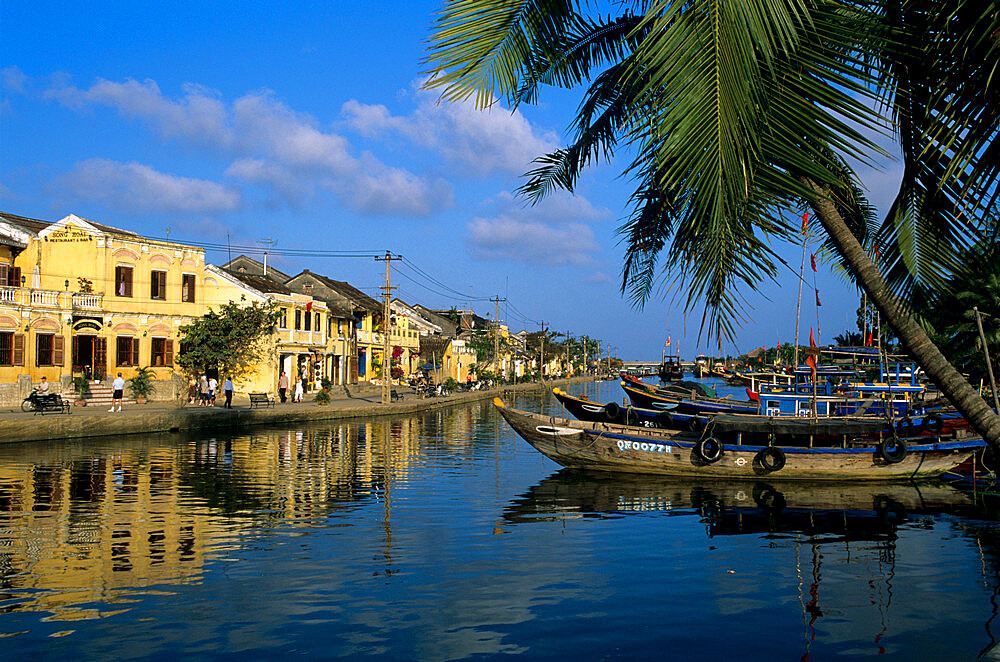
(75, 348)
(18, 358)
(14, 276)
(100, 356)
(135, 351)
(4, 277)
(58, 350)
(168, 346)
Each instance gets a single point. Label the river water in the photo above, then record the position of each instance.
(445, 537)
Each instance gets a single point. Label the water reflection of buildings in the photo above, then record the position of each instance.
(92, 523)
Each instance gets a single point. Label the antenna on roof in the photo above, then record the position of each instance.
(271, 243)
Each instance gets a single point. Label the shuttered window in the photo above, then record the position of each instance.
(6, 347)
(162, 352)
(127, 351)
(158, 285)
(187, 288)
(49, 349)
(123, 281)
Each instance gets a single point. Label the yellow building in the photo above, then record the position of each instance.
(83, 298)
(299, 343)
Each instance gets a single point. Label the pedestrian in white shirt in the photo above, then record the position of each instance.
(213, 385)
(118, 386)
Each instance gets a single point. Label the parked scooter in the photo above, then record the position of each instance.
(34, 400)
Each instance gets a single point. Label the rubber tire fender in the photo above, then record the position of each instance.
(932, 423)
(892, 451)
(612, 410)
(695, 424)
(665, 420)
(770, 459)
(905, 426)
(709, 450)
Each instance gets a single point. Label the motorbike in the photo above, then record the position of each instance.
(35, 399)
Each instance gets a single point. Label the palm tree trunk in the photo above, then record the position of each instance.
(955, 387)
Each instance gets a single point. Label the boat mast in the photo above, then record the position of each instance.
(802, 271)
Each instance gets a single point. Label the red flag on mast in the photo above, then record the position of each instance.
(818, 304)
(805, 224)
(812, 258)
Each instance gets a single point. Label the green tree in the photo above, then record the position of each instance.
(738, 114)
(236, 339)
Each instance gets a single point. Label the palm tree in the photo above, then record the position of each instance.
(737, 114)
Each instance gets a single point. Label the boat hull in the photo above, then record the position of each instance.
(609, 447)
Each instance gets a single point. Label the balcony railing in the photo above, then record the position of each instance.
(91, 301)
(8, 295)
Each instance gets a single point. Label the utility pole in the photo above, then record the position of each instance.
(585, 355)
(270, 243)
(496, 336)
(568, 366)
(541, 360)
(386, 355)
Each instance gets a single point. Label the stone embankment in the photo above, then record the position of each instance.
(18, 426)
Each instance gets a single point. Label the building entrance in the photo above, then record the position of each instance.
(90, 356)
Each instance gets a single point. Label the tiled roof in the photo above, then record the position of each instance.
(346, 290)
(259, 283)
(35, 226)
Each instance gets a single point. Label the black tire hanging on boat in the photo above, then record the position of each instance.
(695, 424)
(932, 423)
(612, 410)
(905, 426)
(892, 450)
(628, 416)
(770, 459)
(665, 420)
(709, 450)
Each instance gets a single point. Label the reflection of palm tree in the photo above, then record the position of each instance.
(732, 121)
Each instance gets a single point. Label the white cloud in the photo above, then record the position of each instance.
(551, 232)
(484, 141)
(136, 188)
(270, 144)
(12, 79)
(199, 116)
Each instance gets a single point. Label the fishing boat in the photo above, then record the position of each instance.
(681, 387)
(613, 447)
(584, 409)
(686, 404)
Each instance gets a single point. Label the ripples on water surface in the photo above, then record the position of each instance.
(444, 537)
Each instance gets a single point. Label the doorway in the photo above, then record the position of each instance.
(89, 356)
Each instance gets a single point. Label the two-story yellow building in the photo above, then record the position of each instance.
(297, 346)
(82, 298)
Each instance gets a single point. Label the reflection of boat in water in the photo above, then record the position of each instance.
(735, 507)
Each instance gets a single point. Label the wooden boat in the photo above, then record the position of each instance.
(685, 403)
(680, 387)
(611, 447)
(586, 410)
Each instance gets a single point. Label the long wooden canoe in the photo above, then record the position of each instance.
(611, 447)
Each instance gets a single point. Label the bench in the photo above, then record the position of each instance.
(52, 404)
(394, 395)
(261, 400)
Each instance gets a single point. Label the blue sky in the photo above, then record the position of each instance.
(305, 123)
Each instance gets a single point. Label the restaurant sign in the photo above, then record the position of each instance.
(69, 234)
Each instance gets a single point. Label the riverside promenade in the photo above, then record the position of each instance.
(17, 426)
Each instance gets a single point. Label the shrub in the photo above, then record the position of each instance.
(142, 384)
(322, 397)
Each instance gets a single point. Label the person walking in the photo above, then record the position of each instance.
(282, 385)
(203, 392)
(298, 391)
(118, 386)
(213, 387)
(227, 388)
